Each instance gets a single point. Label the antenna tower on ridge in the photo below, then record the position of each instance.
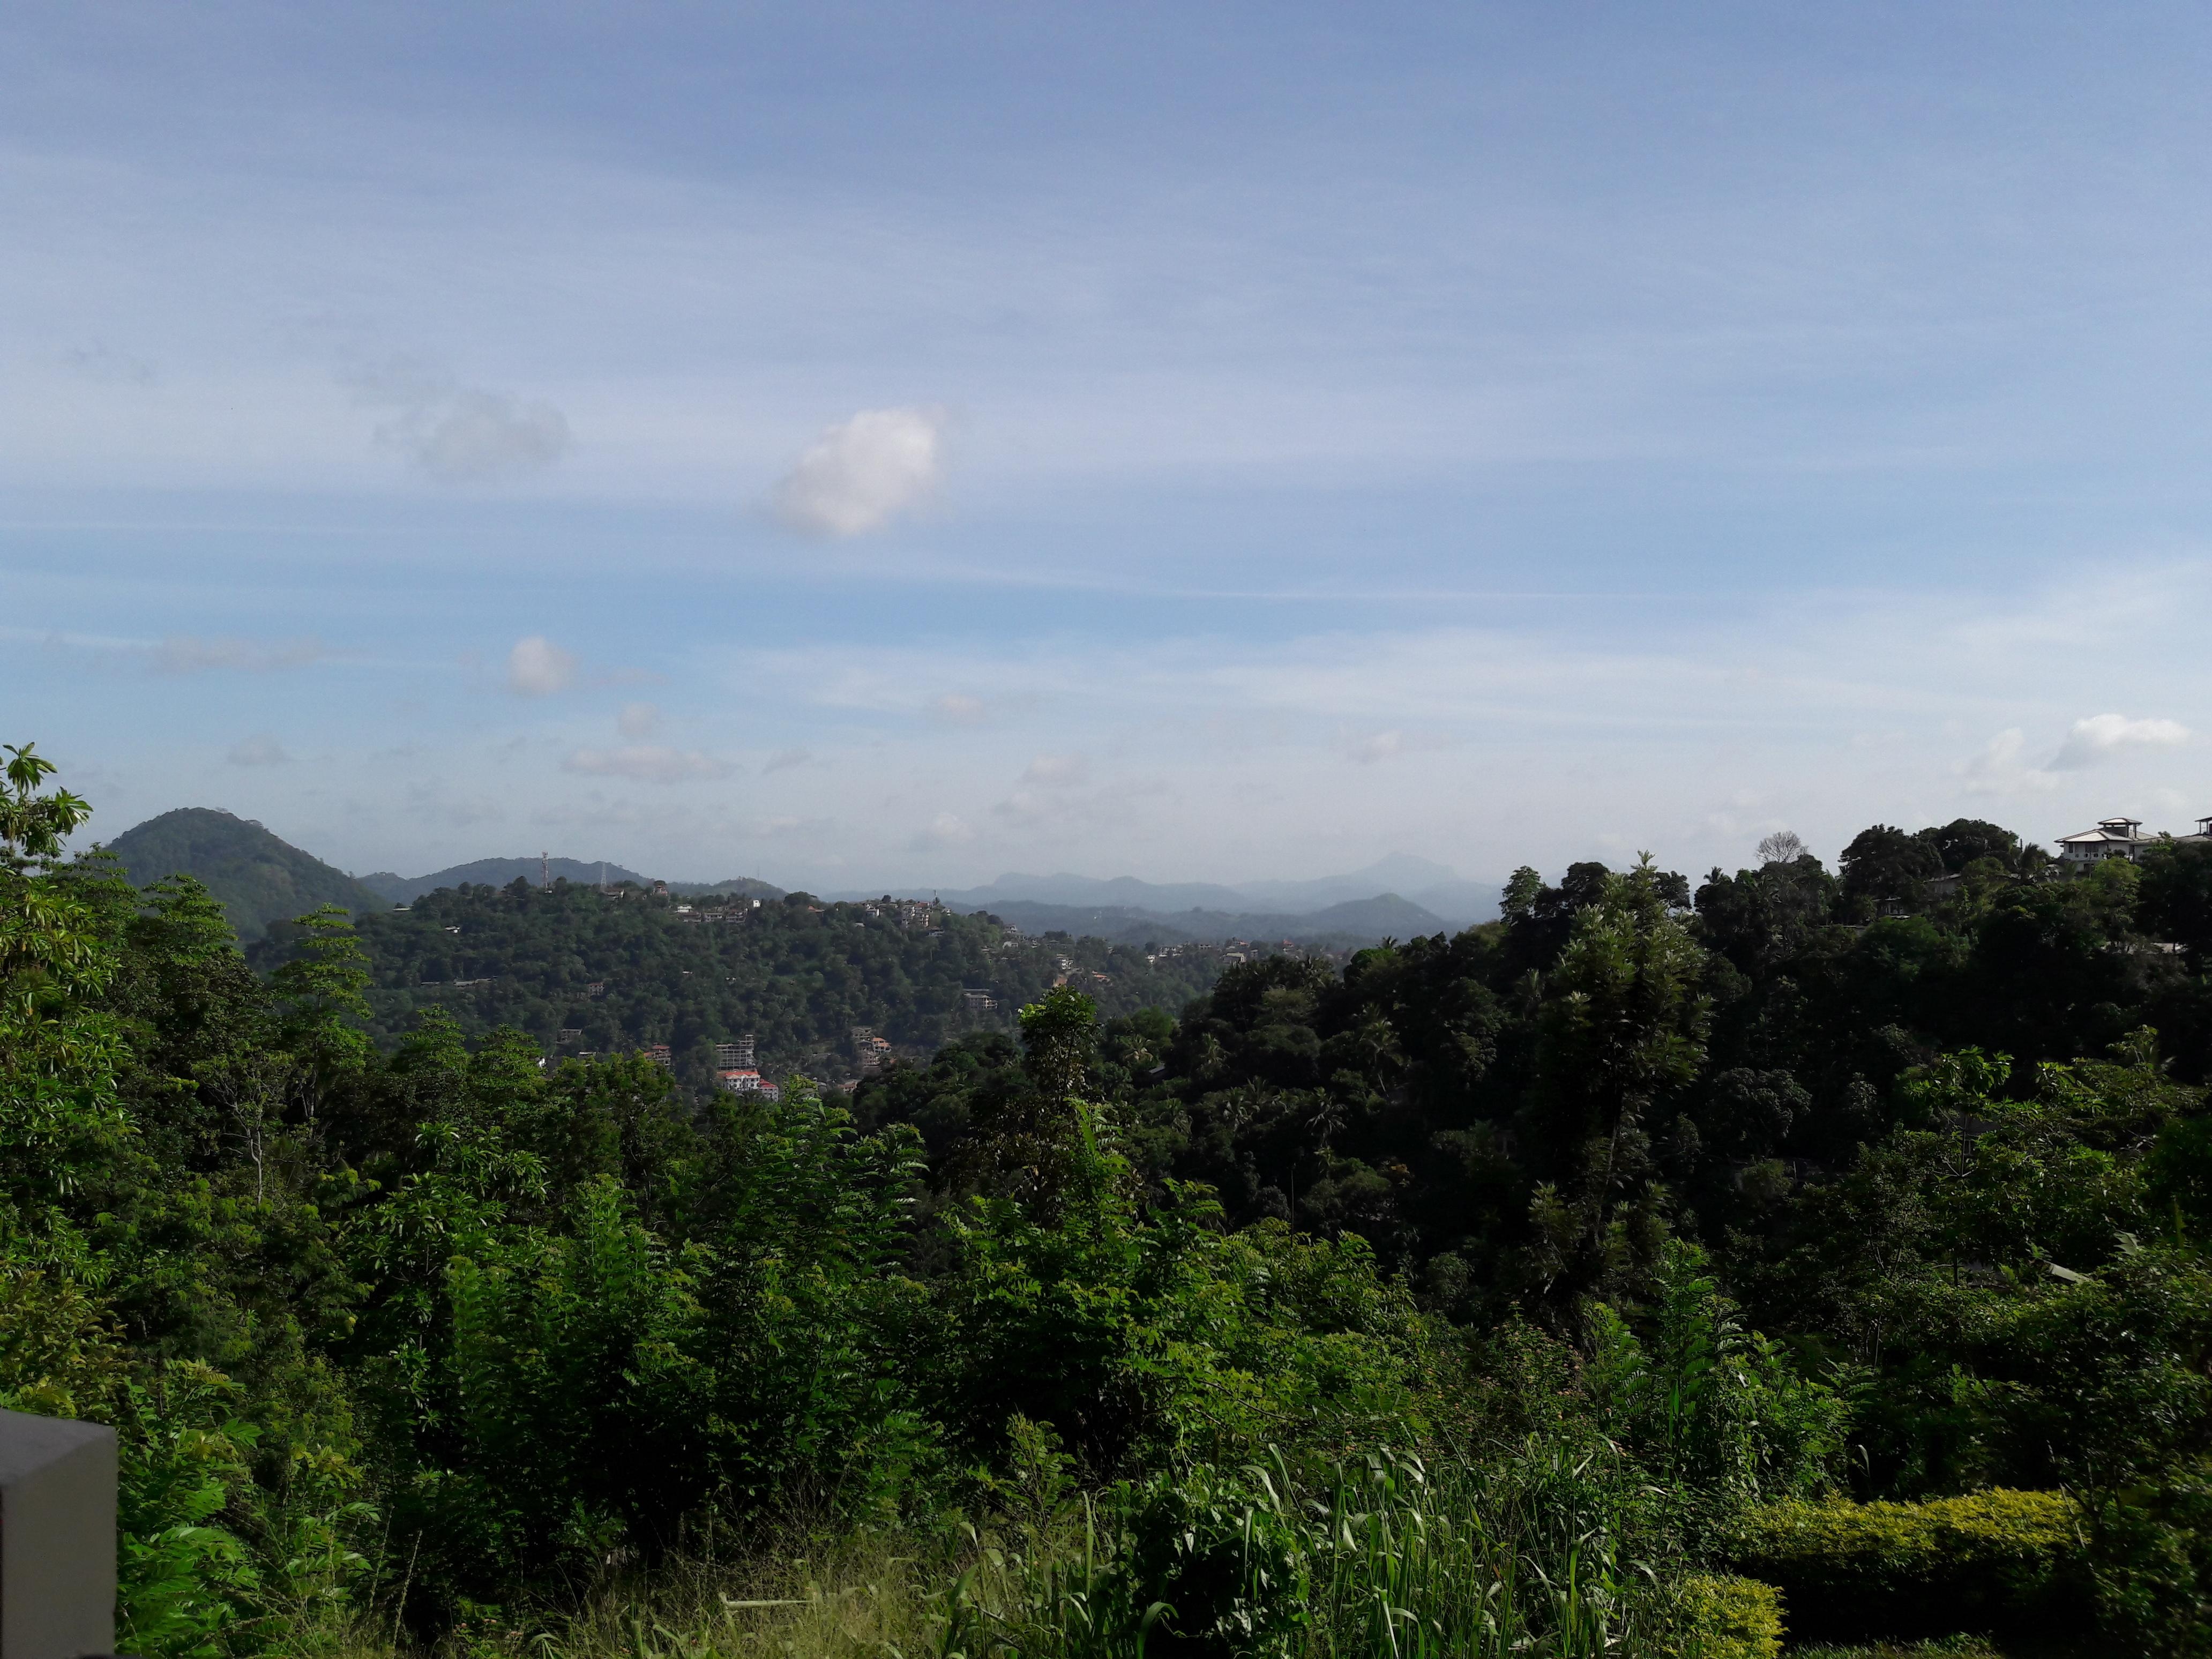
(545, 869)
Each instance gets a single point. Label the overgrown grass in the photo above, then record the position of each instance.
(1379, 1558)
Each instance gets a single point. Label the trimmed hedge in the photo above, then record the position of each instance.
(1730, 1619)
(1991, 1561)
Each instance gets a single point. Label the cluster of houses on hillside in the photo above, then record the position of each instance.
(1233, 951)
(737, 1071)
(735, 910)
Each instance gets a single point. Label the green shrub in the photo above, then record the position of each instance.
(1993, 1560)
(1730, 1619)
(1226, 1553)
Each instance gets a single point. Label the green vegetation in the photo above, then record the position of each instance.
(1348, 926)
(1622, 1278)
(497, 872)
(1732, 1619)
(628, 967)
(1992, 1559)
(256, 878)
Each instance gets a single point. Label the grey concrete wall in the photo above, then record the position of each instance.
(56, 1538)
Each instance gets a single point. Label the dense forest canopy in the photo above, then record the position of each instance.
(624, 968)
(1658, 1264)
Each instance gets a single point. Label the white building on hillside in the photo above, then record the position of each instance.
(2116, 838)
(2113, 838)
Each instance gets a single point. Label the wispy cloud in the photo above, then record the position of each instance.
(862, 473)
(2101, 737)
(183, 654)
(946, 830)
(1999, 769)
(648, 763)
(537, 667)
(1056, 771)
(432, 800)
(638, 720)
(958, 708)
(96, 361)
(460, 434)
(260, 750)
(784, 759)
(2002, 767)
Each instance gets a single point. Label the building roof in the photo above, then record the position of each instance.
(2107, 830)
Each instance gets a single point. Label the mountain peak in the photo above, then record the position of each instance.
(258, 876)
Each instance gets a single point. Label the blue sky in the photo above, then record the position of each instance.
(857, 444)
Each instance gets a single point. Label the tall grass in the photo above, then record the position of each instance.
(1474, 1562)
(1383, 1558)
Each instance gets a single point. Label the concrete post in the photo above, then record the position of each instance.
(56, 1538)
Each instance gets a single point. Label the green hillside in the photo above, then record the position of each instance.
(495, 872)
(598, 873)
(627, 968)
(1347, 926)
(1619, 1278)
(258, 878)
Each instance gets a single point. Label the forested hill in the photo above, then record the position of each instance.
(1528, 1106)
(258, 878)
(1636, 1243)
(1341, 926)
(626, 969)
(495, 872)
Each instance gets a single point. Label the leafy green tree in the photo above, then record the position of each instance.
(1716, 1412)
(2173, 901)
(1885, 866)
(35, 822)
(1621, 1032)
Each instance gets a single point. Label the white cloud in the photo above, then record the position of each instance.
(260, 750)
(2001, 769)
(1379, 747)
(945, 830)
(637, 719)
(861, 474)
(537, 667)
(646, 762)
(1055, 771)
(2101, 737)
(957, 708)
(1998, 769)
(785, 758)
(458, 434)
(182, 654)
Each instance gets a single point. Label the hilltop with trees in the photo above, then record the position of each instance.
(256, 877)
(1655, 1265)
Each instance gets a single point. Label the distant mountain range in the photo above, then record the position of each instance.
(258, 878)
(1434, 890)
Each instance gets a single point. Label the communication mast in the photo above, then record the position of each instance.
(545, 869)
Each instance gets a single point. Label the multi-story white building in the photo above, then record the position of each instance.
(2116, 838)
